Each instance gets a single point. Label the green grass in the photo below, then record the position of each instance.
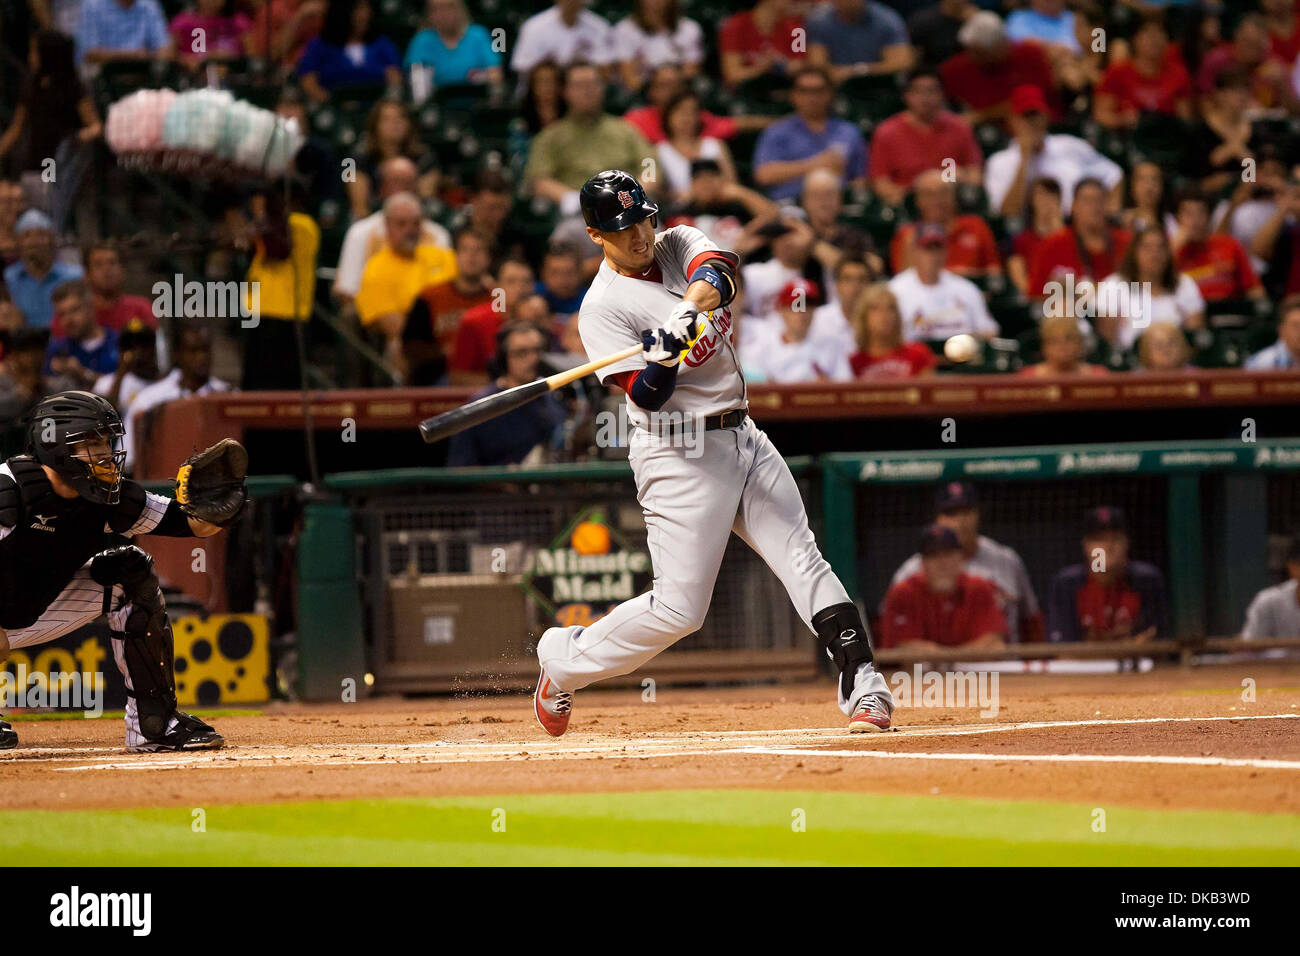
(118, 715)
(671, 828)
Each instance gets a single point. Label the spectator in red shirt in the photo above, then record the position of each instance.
(665, 82)
(925, 136)
(878, 333)
(942, 605)
(972, 250)
(113, 309)
(759, 41)
(1250, 52)
(429, 335)
(476, 338)
(980, 78)
(1089, 248)
(1044, 219)
(1148, 83)
(1216, 262)
(1283, 28)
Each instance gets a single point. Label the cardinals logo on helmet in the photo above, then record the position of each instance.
(625, 198)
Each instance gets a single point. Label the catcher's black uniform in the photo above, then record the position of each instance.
(59, 555)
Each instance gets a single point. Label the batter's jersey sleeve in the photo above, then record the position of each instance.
(681, 250)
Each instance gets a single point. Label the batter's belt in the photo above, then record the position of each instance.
(733, 418)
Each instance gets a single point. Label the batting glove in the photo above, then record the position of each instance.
(683, 322)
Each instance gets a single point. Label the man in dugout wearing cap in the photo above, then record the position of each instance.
(941, 605)
(1107, 597)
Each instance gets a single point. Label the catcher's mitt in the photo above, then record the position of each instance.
(210, 485)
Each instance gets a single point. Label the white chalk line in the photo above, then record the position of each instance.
(1260, 764)
(769, 742)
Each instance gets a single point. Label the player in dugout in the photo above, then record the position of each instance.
(66, 513)
(1107, 597)
(942, 605)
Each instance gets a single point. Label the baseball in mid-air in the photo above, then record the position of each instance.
(961, 348)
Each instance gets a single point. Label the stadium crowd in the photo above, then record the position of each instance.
(894, 173)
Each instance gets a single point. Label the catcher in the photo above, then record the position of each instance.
(65, 510)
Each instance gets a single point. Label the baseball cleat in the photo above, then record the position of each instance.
(552, 706)
(870, 716)
(8, 738)
(189, 733)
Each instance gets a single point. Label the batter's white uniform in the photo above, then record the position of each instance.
(694, 494)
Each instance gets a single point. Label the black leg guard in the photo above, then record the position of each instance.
(147, 639)
(844, 636)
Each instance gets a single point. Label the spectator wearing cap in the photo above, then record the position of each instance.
(1034, 153)
(972, 250)
(811, 138)
(957, 506)
(1215, 261)
(564, 154)
(982, 77)
(84, 351)
(1285, 352)
(941, 604)
(565, 34)
(935, 303)
(880, 351)
(348, 53)
(112, 31)
(1107, 597)
(1087, 250)
(36, 274)
(791, 242)
(730, 214)
(858, 38)
(753, 43)
(924, 137)
(784, 351)
(1275, 611)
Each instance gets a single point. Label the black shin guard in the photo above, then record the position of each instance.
(844, 636)
(147, 638)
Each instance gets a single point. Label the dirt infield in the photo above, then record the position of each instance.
(1172, 738)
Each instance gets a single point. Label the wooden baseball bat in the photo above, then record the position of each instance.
(458, 419)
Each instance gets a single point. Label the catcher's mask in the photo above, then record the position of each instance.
(79, 435)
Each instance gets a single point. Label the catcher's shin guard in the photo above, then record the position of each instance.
(146, 638)
(843, 635)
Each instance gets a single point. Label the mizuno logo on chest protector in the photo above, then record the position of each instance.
(44, 522)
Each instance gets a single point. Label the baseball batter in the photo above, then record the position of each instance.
(670, 292)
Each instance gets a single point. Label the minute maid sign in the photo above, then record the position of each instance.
(587, 569)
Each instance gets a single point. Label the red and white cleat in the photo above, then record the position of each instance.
(552, 706)
(870, 716)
